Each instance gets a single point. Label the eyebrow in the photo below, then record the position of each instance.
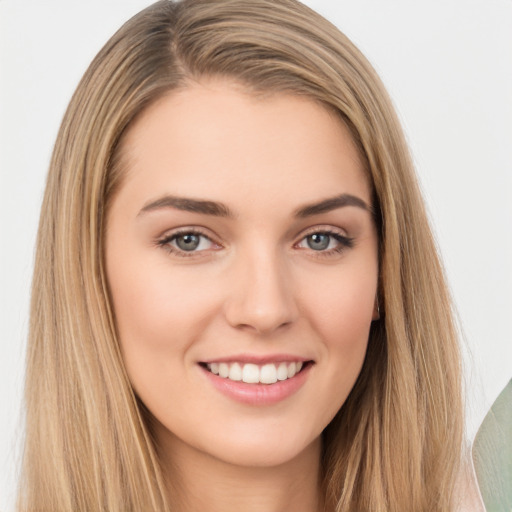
(330, 204)
(189, 205)
(221, 210)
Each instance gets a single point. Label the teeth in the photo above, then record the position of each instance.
(223, 370)
(235, 372)
(282, 371)
(251, 373)
(254, 374)
(268, 374)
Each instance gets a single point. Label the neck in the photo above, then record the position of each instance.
(199, 481)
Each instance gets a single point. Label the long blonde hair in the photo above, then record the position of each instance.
(395, 444)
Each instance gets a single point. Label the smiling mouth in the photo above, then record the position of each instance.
(251, 373)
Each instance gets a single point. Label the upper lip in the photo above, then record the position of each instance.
(258, 359)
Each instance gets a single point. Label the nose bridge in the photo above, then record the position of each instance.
(261, 296)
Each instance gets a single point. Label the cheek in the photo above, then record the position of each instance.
(341, 313)
(340, 302)
(154, 304)
(158, 313)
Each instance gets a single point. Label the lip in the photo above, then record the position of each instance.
(259, 394)
(259, 360)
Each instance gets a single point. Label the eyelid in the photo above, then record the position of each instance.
(323, 228)
(344, 240)
(164, 241)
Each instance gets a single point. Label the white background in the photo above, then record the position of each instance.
(448, 67)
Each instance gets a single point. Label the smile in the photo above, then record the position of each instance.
(251, 373)
(257, 383)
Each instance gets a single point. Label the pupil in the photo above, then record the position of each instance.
(318, 241)
(187, 242)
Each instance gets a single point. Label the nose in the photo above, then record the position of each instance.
(261, 297)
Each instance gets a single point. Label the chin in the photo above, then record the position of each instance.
(264, 451)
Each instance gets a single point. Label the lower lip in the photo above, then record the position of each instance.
(259, 394)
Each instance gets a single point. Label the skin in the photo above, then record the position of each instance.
(254, 286)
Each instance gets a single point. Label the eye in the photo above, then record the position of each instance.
(326, 242)
(187, 243)
(319, 241)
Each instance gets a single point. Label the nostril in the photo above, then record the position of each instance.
(261, 304)
(262, 327)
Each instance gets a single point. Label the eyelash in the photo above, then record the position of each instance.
(344, 242)
(165, 242)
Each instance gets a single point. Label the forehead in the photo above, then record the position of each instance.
(215, 140)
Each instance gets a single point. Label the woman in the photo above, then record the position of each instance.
(201, 338)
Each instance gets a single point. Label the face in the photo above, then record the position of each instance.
(242, 262)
